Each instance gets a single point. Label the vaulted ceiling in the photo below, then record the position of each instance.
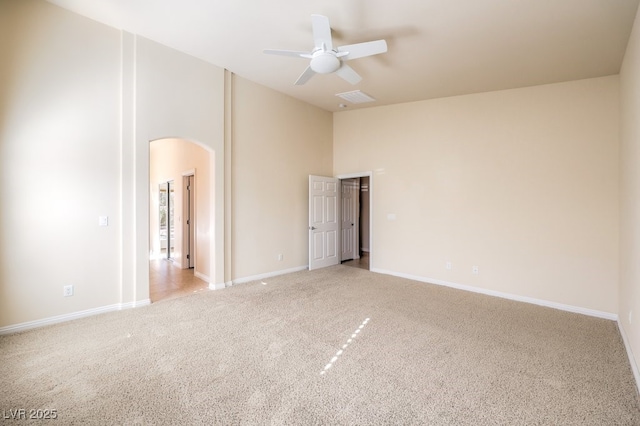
(436, 48)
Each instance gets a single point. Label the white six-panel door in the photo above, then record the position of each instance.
(324, 222)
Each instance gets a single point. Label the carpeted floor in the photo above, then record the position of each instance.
(338, 345)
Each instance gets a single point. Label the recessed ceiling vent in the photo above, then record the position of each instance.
(356, 97)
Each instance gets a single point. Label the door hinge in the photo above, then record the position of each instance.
(188, 256)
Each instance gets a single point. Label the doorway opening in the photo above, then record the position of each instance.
(189, 226)
(340, 225)
(166, 212)
(178, 207)
(355, 222)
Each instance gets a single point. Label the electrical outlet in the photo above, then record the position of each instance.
(475, 270)
(280, 257)
(630, 317)
(67, 290)
(448, 265)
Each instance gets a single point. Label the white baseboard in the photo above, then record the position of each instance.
(632, 360)
(540, 302)
(139, 303)
(269, 275)
(200, 275)
(17, 328)
(219, 286)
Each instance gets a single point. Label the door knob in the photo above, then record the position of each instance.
(312, 228)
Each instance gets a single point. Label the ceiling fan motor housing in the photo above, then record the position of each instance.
(325, 59)
(325, 62)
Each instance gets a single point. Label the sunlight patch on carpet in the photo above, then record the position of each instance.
(341, 351)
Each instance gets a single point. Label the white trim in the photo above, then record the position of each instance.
(213, 286)
(632, 360)
(138, 304)
(371, 209)
(17, 328)
(269, 275)
(200, 275)
(354, 175)
(540, 302)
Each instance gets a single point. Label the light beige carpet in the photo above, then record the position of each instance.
(411, 353)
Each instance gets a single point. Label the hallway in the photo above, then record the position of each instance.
(168, 282)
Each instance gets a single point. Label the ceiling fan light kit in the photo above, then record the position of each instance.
(324, 62)
(324, 59)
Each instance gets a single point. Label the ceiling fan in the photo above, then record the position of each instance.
(325, 59)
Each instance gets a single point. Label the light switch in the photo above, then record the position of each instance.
(391, 216)
(103, 221)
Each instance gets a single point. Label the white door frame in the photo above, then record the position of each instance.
(350, 229)
(167, 255)
(186, 263)
(371, 240)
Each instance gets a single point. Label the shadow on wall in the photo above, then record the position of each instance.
(13, 21)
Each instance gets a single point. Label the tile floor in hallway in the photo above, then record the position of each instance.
(166, 281)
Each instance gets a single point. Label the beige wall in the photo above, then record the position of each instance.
(277, 143)
(629, 306)
(59, 162)
(169, 160)
(522, 183)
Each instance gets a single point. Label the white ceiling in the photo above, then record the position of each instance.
(437, 48)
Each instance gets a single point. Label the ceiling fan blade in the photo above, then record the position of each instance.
(305, 76)
(321, 32)
(361, 50)
(294, 53)
(348, 74)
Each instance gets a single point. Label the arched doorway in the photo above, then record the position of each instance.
(180, 218)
